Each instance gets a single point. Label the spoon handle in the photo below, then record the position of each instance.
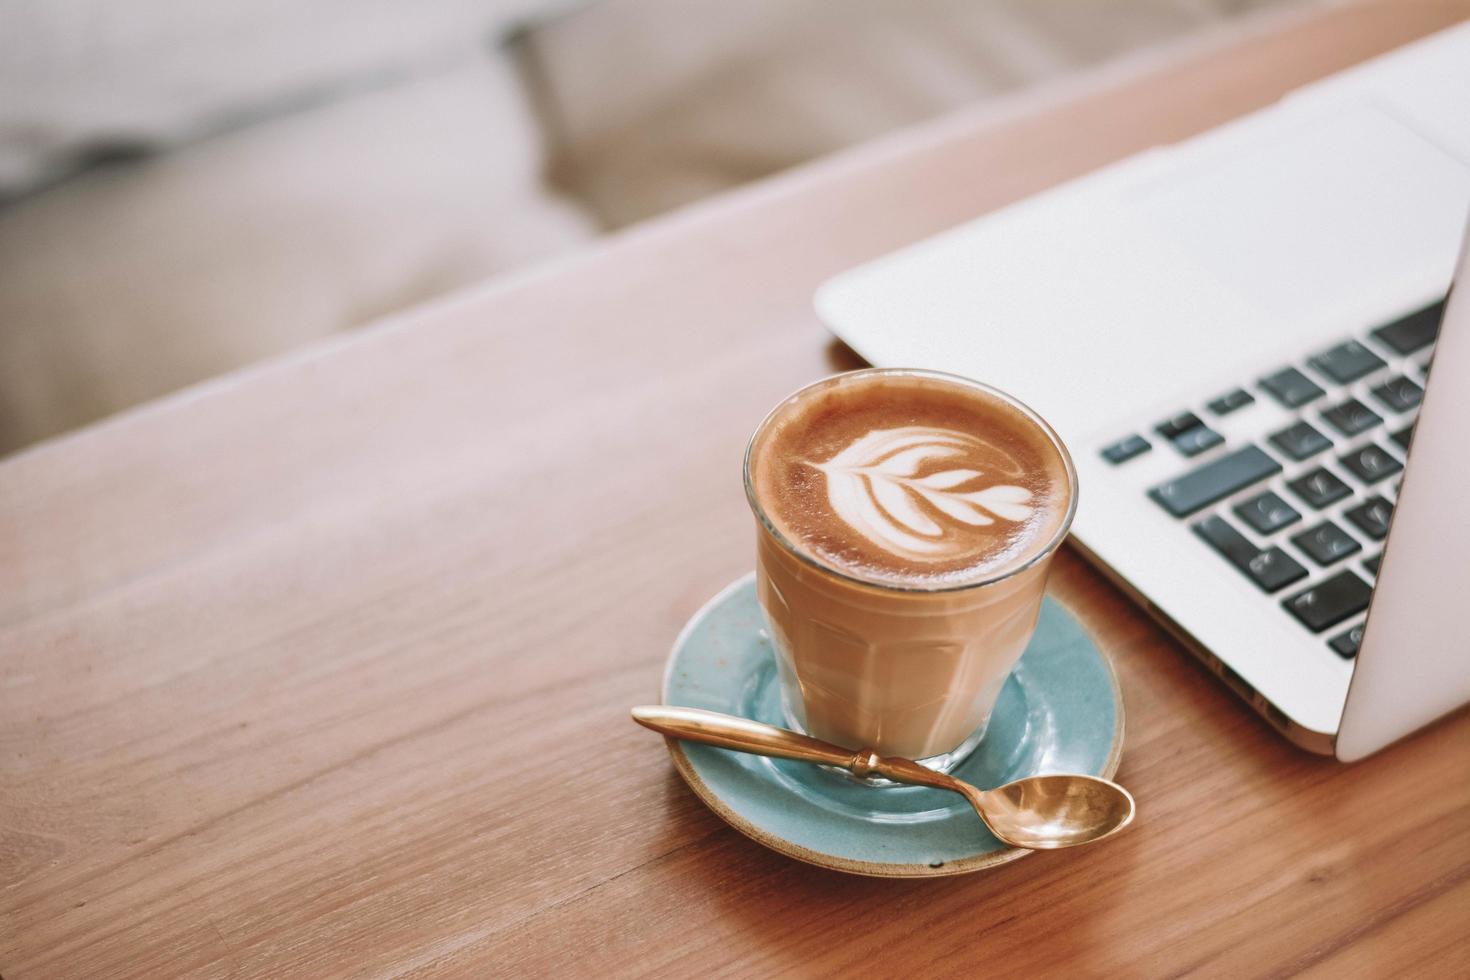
(744, 735)
(740, 734)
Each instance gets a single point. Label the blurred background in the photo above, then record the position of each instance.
(187, 188)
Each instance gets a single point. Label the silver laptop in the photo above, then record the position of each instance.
(1234, 336)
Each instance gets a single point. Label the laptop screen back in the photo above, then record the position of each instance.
(1414, 662)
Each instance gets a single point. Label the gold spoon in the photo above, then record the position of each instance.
(1038, 813)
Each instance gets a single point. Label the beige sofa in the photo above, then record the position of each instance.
(189, 188)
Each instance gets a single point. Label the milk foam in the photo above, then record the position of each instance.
(879, 483)
(909, 479)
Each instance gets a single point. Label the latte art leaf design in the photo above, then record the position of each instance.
(875, 486)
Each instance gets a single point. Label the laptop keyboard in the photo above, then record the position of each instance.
(1303, 511)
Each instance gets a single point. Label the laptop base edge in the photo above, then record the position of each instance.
(1311, 740)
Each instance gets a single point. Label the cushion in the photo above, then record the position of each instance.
(132, 280)
(711, 94)
(82, 77)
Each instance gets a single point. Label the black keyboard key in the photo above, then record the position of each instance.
(1213, 481)
(1188, 434)
(1291, 388)
(1404, 436)
(1192, 442)
(1172, 427)
(1319, 488)
(1270, 569)
(1347, 362)
(1345, 645)
(1372, 564)
(1408, 334)
(1371, 517)
(1267, 513)
(1300, 441)
(1370, 463)
(1326, 543)
(1351, 417)
(1330, 601)
(1399, 393)
(1232, 401)
(1274, 569)
(1125, 449)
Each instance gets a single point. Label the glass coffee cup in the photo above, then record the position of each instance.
(906, 522)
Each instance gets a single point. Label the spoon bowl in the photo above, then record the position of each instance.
(1043, 813)
(1040, 813)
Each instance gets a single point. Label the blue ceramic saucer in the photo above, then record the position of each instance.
(1060, 711)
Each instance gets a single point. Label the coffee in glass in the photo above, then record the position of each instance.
(906, 520)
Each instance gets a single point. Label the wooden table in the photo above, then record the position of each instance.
(323, 668)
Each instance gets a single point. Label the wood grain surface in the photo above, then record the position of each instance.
(323, 668)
